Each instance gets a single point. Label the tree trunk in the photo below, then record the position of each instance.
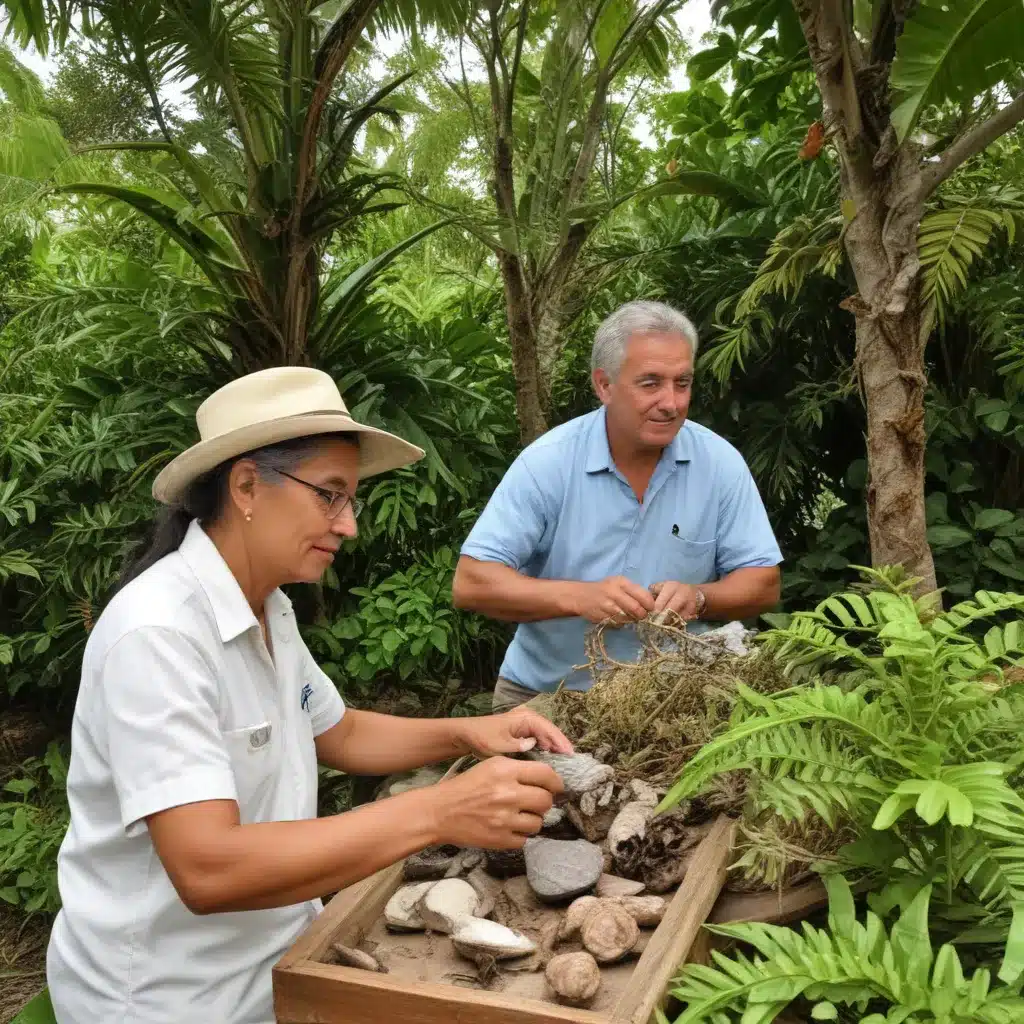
(522, 338)
(881, 242)
(883, 200)
(549, 347)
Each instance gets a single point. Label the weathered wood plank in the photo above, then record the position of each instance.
(770, 907)
(352, 908)
(671, 943)
(311, 993)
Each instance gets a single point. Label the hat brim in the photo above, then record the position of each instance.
(379, 451)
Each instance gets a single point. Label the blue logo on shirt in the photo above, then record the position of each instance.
(307, 692)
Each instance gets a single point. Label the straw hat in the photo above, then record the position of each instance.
(276, 405)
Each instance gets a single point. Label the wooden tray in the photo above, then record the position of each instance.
(309, 992)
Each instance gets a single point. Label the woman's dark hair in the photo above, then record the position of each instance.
(204, 498)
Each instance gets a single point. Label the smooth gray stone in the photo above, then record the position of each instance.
(561, 869)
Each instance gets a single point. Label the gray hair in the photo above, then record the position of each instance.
(642, 316)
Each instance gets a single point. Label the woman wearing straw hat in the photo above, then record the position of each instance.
(194, 856)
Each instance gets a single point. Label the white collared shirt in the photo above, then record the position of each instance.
(179, 702)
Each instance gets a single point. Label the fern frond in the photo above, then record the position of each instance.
(986, 603)
(864, 723)
(948, 242)
(805, 245)
(850, 964)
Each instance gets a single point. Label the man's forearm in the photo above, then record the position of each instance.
(499, 592)
(743, 594)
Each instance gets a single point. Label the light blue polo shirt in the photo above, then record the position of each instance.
(564, 511)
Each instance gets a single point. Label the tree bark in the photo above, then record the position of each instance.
(883, 197)
(522, 337)
(881, 242)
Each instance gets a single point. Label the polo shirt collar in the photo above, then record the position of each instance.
(599, 455)
(230, 608)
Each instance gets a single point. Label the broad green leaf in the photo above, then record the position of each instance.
(611, 23)
(38, 1010)
(953, 49)
(990, 518)
(892, 808)
(1013, 955)
(946, 535)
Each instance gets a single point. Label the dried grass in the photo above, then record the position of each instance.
(650, 717)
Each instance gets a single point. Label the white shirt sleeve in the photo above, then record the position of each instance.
(164, 741)
(320, 696)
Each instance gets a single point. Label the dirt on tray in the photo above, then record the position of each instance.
(428, 957)
(22, 960)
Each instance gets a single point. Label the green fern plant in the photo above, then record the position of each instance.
(860, 965)
(902, 727)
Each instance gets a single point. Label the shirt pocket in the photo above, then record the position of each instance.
(690, 561)
(254, 760)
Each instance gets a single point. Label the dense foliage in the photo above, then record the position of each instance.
(131, 279)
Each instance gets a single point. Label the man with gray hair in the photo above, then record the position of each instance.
(623, 512)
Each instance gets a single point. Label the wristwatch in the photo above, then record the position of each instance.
(702, 600)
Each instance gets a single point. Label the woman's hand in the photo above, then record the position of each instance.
(513, 732)
(496, 805)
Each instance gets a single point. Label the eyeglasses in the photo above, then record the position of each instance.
(334, 501)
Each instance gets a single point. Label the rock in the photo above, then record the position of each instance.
(575, 914)
(593, 826)
(400, 914)
(464, 862)
(446, 904)
(612, 885)
(346, 956)
(609, 933)
(628, 828)
(580, 773)
(559, 869)
(554, 817)
(480, 939)
(733, 636)
(404, 781)
(646, 911)
(643, 793)
(486, 889)
(573, 977)
(430, 862)
(505, 863)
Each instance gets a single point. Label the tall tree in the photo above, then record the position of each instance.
(540, 115)
(278, 178)
(886, 71)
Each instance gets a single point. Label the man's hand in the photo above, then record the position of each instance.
(680, 598)
(615, 599)
(513, 732)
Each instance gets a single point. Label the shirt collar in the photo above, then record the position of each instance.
(599, 455)
(230, 608)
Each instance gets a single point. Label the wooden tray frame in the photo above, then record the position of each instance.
(309, 992)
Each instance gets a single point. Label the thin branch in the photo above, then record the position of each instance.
(971, 144)
(516, 59)
(142, 67)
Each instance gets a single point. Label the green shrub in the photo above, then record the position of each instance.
(33, 821)
(404, 625)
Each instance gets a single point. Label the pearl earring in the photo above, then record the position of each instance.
(248, 515)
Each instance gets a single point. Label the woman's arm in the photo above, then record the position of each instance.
(217, 864)
(367, 743)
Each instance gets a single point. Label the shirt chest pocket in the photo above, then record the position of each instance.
(255, 754)
(689, 561)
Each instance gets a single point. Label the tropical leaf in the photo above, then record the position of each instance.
(19, 85)
(953, 49)
(949, 241)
